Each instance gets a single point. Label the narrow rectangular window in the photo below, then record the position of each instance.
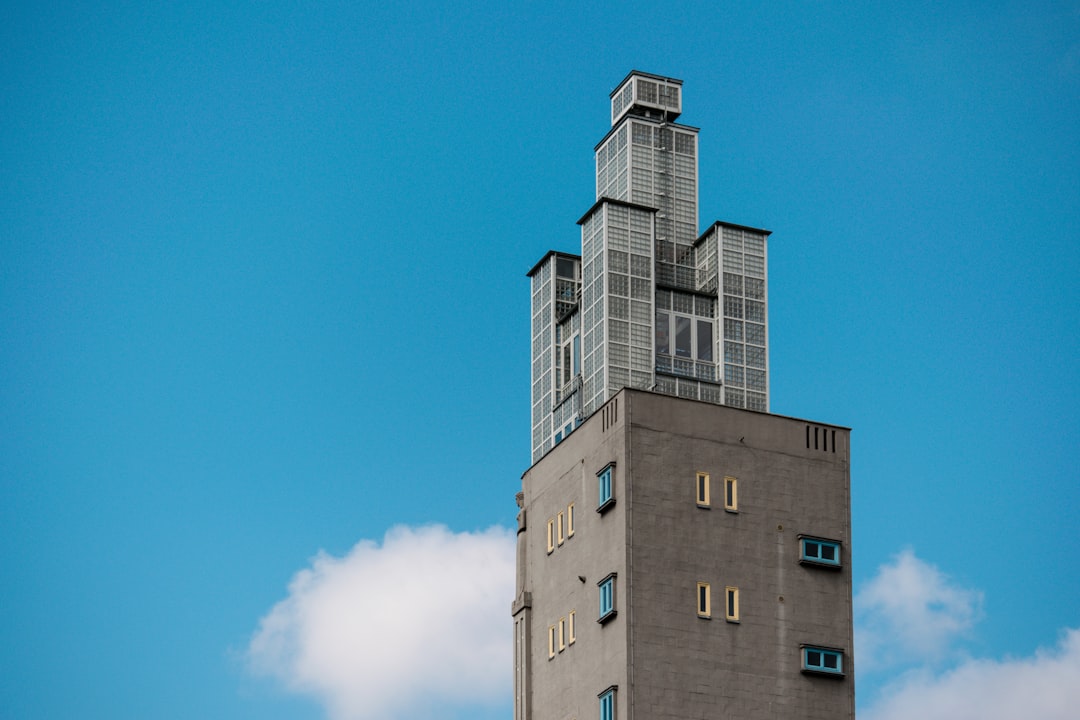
(663, 329)
(605, 488)
(607, 597)
(703, 489)
(731, 494)
(704, 340)
(732, 611)
(823, 660)
(571, 629)
(570, 520)
(704, 601)
(551, 642)
(682, 337)
(816, 551)
(607, 704)
(562, 634)
(551, 536)
(559, 524)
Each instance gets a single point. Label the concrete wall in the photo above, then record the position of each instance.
(567, 686)
(683, 666)
(666, 661)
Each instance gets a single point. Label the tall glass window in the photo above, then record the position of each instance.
(607, 705)
(607, 596)
(605, 491)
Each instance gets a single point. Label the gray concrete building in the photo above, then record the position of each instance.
(682, 553)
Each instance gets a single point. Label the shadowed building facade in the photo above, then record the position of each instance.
(682, 553)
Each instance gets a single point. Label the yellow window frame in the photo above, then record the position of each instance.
(731, 604)
(703, 598)
(731, 494)
(701, 489)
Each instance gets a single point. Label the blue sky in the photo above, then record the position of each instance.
(262, 295)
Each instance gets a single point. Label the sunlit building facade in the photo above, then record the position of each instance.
(681, 552)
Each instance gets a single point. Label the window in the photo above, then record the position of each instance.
(606, 490)
(559, 524)
(822, 660)
(607, 598)
(731, 494)
(816, 551)
(704, 601)
(607, 704)
(703, 489)
(570, 520)
(562, 634)
(551, 536)
(684, 337)
(731, 612)
(551, 642)
(571, 631)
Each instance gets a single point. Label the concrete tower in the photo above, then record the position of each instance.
(681, 552)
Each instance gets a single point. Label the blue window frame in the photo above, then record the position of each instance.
(605, 482)
(823, 660)
(607, 597)
(607, 704)
(820, 552)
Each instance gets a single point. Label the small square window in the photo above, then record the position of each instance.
(559, 524)
(607, 598)
(562, 634)
(571, 630)
(551, 642)
(551, 536)
(607, 704)
(731, 611)
(605, 488)
(570, 520)
(703, 489)
(731, 494)
(816, 551)
(704, 601)
(822, 660)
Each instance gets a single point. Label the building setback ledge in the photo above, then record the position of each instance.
(613, 201)
(733, 226)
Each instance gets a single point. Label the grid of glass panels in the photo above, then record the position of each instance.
(651, 307)
(642, 91)
(617, 301)
(543, 298)
(743, 281)
(663, 174)
(611, 167)
(706, 255)
(629, 285)
(593, 310)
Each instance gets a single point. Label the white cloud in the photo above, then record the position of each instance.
(911, 612)
(398, 630)
(1043, 687)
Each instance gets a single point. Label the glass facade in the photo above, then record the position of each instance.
(648, 304)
